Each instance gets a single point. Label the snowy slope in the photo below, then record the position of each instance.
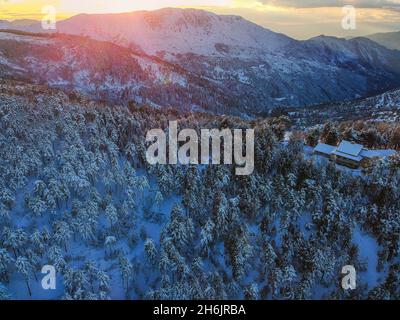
(103, 71)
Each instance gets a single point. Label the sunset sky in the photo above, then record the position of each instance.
(296, 18)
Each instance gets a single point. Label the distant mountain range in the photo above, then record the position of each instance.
(19, 24)
(383, 107)
(195, 59)
(390, 40)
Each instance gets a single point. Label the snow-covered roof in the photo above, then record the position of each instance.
(347, 156)
(324, 148)
(377, 153)
(352, 151)
(349, 148)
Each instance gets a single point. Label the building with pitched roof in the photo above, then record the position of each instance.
(350, 154)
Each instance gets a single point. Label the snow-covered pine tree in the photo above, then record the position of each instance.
(251, 292)
(111, 214)
(126, 269)
(14, 239)
(110, 243)
(62, 233)
(5, 261)
(25, 267)
(4, 294)
(151, 251)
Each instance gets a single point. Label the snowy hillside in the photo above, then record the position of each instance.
(105, 71)
(300, 74)
(76, 193)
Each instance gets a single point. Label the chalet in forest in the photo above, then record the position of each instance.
(350, 154)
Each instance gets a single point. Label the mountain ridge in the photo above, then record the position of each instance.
(245, 70)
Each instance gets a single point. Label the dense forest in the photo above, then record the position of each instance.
(371, 134)
(77, 193)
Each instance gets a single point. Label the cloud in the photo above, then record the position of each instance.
(333, 3)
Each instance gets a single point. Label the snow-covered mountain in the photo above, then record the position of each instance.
(236, 65)
(104, 71)
(177, 31)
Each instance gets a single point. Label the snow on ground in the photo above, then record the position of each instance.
(368, 250)
(19, 291)
(79, 252)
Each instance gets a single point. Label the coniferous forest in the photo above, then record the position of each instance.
(77, 193)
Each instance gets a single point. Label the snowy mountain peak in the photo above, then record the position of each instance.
(176, 31)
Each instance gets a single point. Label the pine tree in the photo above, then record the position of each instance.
(24, 267)
(7, 197)
(4, 212)
(4, 294)
(151, 251)
(180, 229)
(269, 257)
(165, 263)
(75, 282)
(110, 243)
(14, 239)
(104, 281)
(207, 237)
(220, 213)
(158, 199)
(85, 226)
(57, 259)
(112, 215)
(62, 233)
(191, 192)
(34, 260)
(91, 272)
(240, 251)
(5, 261)
(36, 238)
(251, 292)
(143, 185)
(126, 269)
(38, 206)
